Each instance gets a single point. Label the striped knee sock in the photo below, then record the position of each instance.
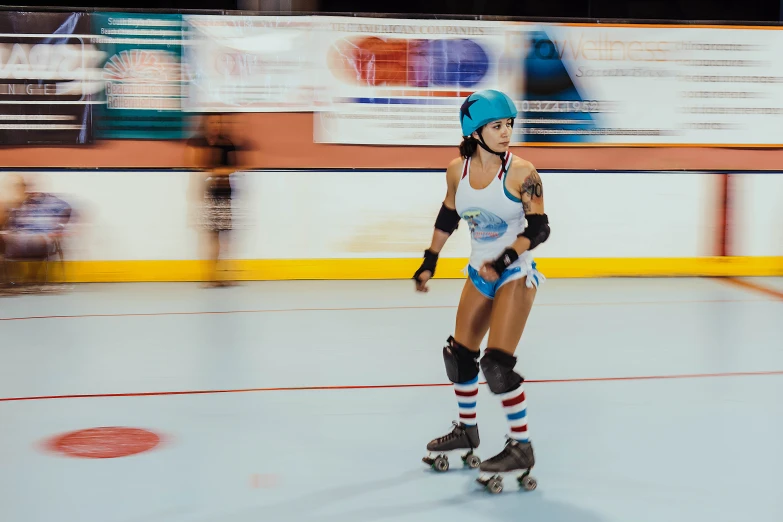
(467, 392)
(515, 406)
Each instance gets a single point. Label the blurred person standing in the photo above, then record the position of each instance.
(31, 224)
(215, 157)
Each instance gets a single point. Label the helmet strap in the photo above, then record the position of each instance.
(486, 148)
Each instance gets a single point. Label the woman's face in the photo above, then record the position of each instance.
(497, 134)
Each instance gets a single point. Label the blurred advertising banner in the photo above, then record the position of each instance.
(401, 82)
(49, 72)
(249, 63)
(616, 85)
(141, 75)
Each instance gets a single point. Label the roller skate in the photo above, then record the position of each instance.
(514, 457)
(461, 437)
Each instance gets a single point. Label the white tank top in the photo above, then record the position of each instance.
(494, 215)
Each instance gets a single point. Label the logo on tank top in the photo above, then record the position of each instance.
(484, 226)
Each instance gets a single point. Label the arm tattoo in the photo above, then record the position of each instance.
(532, 187)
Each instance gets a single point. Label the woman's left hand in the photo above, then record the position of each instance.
(487, 272)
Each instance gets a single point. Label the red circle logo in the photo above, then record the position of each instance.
(104, 443)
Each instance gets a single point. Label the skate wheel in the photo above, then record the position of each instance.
(441, 464)
(472, 461)
(528, 483)
(495, 485)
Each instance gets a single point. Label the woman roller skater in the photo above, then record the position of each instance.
(501, 198)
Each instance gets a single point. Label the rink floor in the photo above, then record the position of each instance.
(648, 400)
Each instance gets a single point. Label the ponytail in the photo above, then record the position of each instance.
(468, 146)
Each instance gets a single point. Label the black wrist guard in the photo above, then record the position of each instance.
(508, 256)
(447, 220)
(537, 230)
(428, 265)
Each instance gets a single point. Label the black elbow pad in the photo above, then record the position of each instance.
(537, 230)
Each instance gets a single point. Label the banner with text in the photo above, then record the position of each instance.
(49, 72)
(250, 63)
(142, 76)
(400, 82)
(651, 86)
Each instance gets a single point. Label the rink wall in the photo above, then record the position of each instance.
(136, 225)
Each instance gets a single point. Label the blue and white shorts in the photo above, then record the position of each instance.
(489, 289)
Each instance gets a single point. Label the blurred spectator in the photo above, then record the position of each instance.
(31, 227)
(215, 157)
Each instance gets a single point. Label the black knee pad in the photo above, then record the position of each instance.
(461, 363)
(498, 369)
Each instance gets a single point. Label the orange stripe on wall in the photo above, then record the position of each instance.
(286, 141)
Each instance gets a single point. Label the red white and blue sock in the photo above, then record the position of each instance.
(467, 393)
(515, 407)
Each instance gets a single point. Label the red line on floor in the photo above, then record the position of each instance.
(754, 286)
(224, 312)
(358, 309)
(386, 386)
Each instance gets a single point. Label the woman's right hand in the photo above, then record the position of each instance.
(426, 270)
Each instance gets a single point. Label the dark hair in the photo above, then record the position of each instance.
(468, 146)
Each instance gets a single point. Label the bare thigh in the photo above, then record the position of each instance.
(513, 302)
(473, 316)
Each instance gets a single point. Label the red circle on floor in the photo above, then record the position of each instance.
(104, 443)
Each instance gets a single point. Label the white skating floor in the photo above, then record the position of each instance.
(649, 400)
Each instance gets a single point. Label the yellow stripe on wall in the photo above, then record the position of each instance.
(273, 269)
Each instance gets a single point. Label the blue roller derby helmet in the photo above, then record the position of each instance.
(483, 107)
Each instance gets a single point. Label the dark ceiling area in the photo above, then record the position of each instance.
(671, 10)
